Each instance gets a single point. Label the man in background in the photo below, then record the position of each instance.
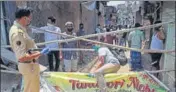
(69, 57)
(51, 26)
(98, 30)
(81, 44)
(109, 38)
(135, 40)
(157, 43)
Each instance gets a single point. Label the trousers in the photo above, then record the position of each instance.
(31, 76)
(136, 60)
(50, 60)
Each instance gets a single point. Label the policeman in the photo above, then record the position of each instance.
(21, 43)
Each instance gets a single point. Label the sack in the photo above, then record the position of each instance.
(120, 55)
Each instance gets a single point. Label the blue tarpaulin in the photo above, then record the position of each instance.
(91, 5)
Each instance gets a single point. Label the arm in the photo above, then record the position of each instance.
(161, 35)
(101, 55)
(59, 37)
(28, 57)
(143, 40)
(129, 40)
(60, 52)
(101, 59)
(60, 47)
(98, 64)
(58, 31)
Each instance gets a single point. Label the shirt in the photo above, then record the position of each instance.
(81, 32)
(156, 43)
(136, 38)
(73, 44)
(20, 41)
(98, 30)
(109, 38)
(104, 51)
(51, 36)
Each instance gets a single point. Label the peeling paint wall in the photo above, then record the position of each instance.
(63, 11)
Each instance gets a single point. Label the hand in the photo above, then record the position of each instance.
(38, 53)
(45, 51)
(91, 75)
(61, 57)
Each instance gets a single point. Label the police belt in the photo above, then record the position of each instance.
(29, 61)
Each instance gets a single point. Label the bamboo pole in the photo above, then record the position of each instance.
(116, 46)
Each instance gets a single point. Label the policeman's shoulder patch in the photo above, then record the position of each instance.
(20, 33)
(18, 43)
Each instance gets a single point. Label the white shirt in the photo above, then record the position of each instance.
(98, 30)
(51, 36)
(104, 51)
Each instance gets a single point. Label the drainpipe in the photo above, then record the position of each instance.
(6, 21)
(80, 5)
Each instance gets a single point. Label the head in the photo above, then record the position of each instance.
(81, 25)
(137, 25)
(110, 15)
(51, 20)
(158, 28)
(98, 25)
(24, 16)
(96, 47)
(69, 26)
(104, 26)
(107, 29)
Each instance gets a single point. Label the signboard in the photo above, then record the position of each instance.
(81, 82)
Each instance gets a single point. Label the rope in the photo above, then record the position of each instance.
(157, 80)
(98, 34)
(110, 45)
(160, 71)
(171, 76)
(68, 49)
(152, 72)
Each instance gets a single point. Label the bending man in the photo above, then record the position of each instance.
(107, 63)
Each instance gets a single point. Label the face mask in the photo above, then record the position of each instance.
(48, 24)
(96, 48)
(70, 30)
(81, 27)
(28, 21)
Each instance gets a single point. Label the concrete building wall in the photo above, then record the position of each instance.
(168, 14)
(138, 18)
(89, 19)
(63, 11)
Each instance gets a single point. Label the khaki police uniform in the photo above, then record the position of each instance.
(21, 43)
